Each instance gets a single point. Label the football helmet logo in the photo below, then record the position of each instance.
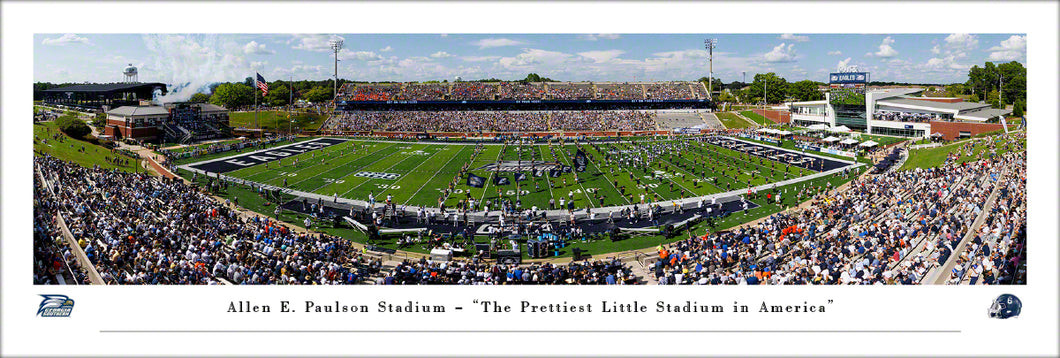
(1006, 306)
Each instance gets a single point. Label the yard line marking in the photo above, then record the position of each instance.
(352, 171)
(489, 179)
(314, 165)
(435, 173)
(608, 178)
(547, 182)
(393, 165)
(564, 151)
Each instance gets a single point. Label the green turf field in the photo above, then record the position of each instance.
(276, 120)
(731, 121)
(598, 248)
(428, 174)
(757, 118)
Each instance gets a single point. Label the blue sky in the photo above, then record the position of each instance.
(202, 59)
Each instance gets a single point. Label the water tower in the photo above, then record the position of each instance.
(130, 74)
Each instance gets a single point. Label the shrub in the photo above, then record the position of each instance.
(73, 126)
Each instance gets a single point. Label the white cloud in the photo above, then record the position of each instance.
(258, 65)
(386, 49)
(444, 35)
(885, 49)
(487, 43)
(793, 37)
(592, 37)
(535, 58)
(962, 42)
(781, 53)
(1012, 49)
(835, 53)
(602, 56)
(313, 42)
(935, 50)
(254, 48)
(64, 40)
(347, 54)
(479, 58)
(441, 54)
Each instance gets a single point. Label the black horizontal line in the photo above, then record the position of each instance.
(527, 331)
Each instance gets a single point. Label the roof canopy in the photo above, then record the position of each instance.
(839, 129)
(849, 141)
(869, 144)
(831, 139)
(817, 127)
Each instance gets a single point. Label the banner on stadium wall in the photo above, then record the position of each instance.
(826, 150)
(838, 152)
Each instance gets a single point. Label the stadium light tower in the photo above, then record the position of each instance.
(336, 45)
(709, 44)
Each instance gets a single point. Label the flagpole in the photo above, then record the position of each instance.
(256, 89)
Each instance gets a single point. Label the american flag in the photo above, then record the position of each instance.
(264, 86)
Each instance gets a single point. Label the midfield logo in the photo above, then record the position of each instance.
(516, 166)
(55, 306)
(374, 175)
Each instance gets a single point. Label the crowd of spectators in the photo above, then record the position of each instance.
(618, 91)
(53, 261)
(140, 229)
(882, 115)
(488, 91)
(670, 90)
(371, 92)
(423, 92)
(603, 120)
(522, 91)
(491, 121)
(477, 272)
(894, 228)
(474, 91)
(570, 91)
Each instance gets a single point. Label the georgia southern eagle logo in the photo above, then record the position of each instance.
(55, 306)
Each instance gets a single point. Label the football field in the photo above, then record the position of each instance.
(428, 174)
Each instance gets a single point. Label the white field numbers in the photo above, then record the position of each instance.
(512, 192)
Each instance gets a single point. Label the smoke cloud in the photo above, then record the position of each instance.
(191, 63)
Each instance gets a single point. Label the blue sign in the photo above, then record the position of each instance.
(908, 126)
(849, 77)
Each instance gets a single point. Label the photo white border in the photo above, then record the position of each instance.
(855, 308)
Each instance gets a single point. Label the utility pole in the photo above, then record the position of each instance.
(1000, 86)
(709, 44)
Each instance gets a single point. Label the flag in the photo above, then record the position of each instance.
(520, 176)
(554, 173)
(580, 161)
(475, 181)
(501, 180)
(264, 86)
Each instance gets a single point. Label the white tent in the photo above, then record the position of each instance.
(840, 129)
(849, 141)
(783, 133)
(766, 130)
(817, 127)
(830, 139)
(869, 144)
